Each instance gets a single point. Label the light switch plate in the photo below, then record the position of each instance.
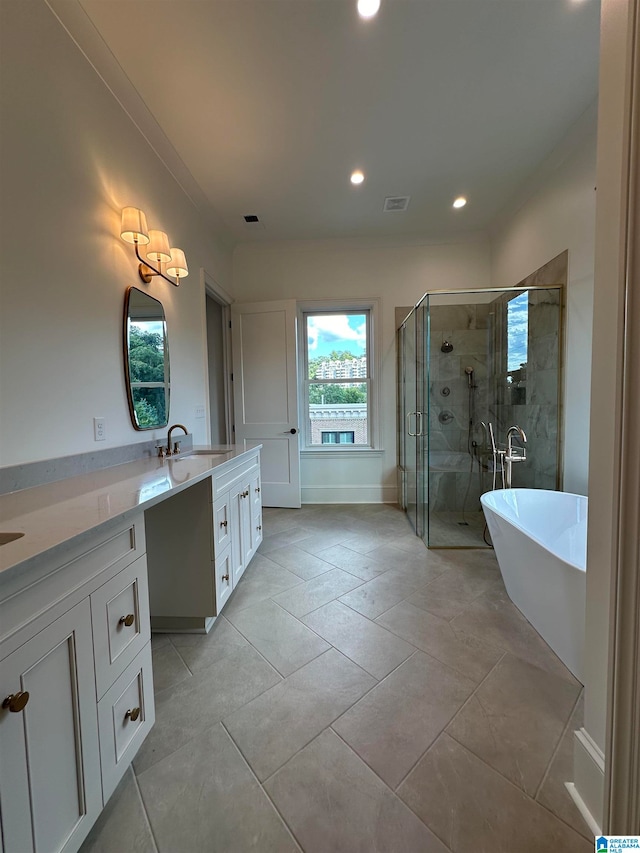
(199, 412)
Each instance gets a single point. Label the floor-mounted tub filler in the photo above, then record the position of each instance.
(540, 540)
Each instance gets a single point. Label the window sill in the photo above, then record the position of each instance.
(349, 451)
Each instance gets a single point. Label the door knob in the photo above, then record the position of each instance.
(127, 620)
(293, 430)
(132, 714)
(16, 702)
(225, 577)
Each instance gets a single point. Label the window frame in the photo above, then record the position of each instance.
(369, 308)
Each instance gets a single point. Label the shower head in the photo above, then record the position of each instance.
(447, 346)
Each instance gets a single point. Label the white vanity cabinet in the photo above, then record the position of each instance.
(200, 541)
(75, 636)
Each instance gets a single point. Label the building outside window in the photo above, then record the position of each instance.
(337, 389)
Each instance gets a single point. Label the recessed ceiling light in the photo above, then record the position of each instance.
(357, 177)
(368, 8)
(460, 201)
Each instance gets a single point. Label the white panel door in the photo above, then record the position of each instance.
(265, 394)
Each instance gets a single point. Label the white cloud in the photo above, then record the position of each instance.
(334, 328)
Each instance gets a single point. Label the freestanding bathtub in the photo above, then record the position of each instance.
(540, 540)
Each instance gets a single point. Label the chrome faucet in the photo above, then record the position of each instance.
(514, 454)
(169, 450)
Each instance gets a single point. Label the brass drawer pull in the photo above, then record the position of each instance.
(225, 577)
(132, 714)
(223, 523)
(127, 620)
(16, 701)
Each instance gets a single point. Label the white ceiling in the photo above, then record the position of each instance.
(271, 104)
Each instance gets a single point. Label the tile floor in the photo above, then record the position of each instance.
(360, 693)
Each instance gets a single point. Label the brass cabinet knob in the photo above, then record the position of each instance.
(259, 527)
(132, 714)
(16, 702)
(258, 489)
(127, 620)
(245, 494)
(225, 577)
(223, 523)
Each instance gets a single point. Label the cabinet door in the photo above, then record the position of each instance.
(238, 498)
(49, 757)
(255, 492)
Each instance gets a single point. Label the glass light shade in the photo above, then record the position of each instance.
(158, 249)
(134, 226)
(177, 266)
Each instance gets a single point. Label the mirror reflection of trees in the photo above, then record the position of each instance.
(147, 361)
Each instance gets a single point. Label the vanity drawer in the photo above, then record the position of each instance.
(125, 715)
(121, 625)
(224, 579)
(221, 523)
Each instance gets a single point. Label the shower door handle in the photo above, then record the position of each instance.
(418, 433)
(412, 434)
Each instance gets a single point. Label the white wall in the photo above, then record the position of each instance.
(396, 275)
(71, 159)
(558, 213)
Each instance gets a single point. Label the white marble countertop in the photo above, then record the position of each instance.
(52, 515)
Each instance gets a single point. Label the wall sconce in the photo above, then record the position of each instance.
(156, 249)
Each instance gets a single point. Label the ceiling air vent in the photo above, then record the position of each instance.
(396, 203)
(251, 217)
(252, 222)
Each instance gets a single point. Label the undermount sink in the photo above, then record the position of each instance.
(191, 453)
(9, 537)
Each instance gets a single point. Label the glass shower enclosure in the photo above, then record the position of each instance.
(471, 364)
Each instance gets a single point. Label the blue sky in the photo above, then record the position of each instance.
(327, 332)
(517, 331)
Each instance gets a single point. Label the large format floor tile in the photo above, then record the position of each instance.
(497, 620)
(452, 592)
(360, 565)
(273, 727)
(370, 646)
(515, 720)
(123, 822)
(263, 579)
(283, 640)
(393, 725)
(553, 793)
(168, 667)
(203, 797)
(200, 651)
(333, 802)
(469, 655)
(186, 710)
(305, 597)
(300, 562)
(375, 596)
(474, 809)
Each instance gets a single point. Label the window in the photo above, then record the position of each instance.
(338, 437)
(337, 392)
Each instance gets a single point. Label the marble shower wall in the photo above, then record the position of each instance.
(452, 405)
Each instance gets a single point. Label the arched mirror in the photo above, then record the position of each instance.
(146, 360)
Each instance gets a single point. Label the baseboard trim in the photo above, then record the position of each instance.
(349, 494)
(587, 790)
(584, 811)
